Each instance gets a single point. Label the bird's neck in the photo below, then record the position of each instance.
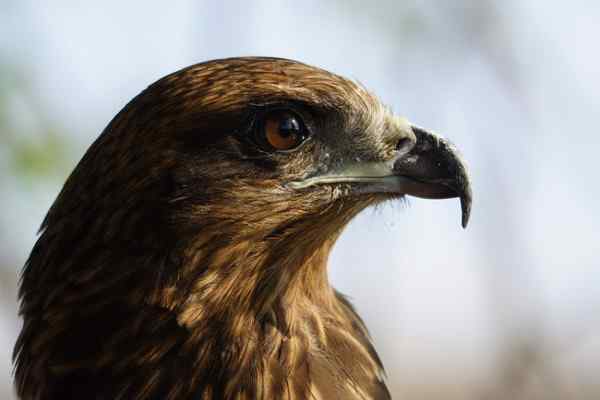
(264, 323)
(257, 281)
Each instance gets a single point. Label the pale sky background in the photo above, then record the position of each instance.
(515, 84)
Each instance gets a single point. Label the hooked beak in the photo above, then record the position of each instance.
(431, 169)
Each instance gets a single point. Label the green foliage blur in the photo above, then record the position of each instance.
(33, 148)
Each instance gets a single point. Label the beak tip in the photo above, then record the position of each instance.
(438, 160)
(465, 205)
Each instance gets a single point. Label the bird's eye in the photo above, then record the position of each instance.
(281, 131)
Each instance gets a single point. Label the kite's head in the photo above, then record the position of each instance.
(268, 144)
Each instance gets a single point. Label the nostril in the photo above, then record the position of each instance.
(404, 145)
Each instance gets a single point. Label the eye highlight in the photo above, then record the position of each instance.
(281, 130)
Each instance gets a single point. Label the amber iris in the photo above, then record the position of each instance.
(283, 130)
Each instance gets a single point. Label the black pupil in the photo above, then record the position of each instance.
(289, 126)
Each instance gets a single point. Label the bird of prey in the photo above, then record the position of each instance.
(186, 255)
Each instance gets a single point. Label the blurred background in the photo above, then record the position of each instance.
(508, 308)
